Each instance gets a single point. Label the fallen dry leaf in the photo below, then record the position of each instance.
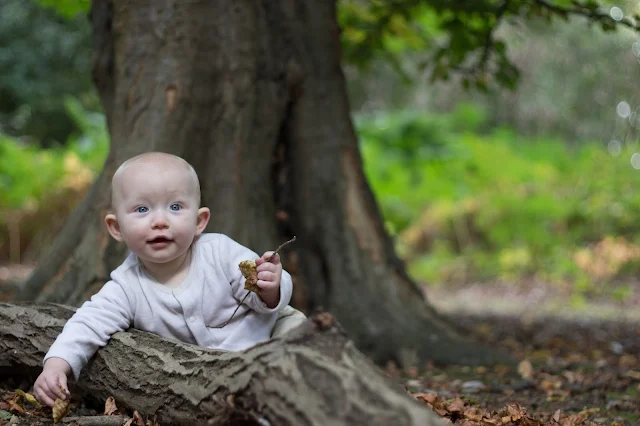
(627, 361)
(589, 411)
(633, 374)
(32, 399)
(574, 420)
(550, 383)
(15, 406)
(557, 395)
(456, 406)
(515, 411)
(525, 369)
(60, 409)
(426, 397)
(137, 419)
(110, 407)
(474, 414)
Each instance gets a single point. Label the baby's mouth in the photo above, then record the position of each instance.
(159, 240)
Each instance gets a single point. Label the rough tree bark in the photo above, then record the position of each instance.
(252, 94)
(312, 376)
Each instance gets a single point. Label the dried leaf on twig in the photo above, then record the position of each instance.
(248, 269)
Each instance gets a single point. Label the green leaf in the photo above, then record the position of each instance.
(67, 8)
(5, 415)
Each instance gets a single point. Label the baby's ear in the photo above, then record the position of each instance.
(113, 227)
(204, 214)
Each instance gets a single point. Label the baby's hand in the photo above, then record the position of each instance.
(49, 383)
(269, 274)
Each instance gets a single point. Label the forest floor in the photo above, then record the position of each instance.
(579, 366)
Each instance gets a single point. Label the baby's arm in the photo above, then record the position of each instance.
(90, 328)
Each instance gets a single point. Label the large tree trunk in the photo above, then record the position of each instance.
(252, 94)
(311, 376)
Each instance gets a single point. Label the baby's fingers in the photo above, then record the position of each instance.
(275, 259)
(63, 390)
(43, 397)
(48, 391)
(266, 276)
(269, 267)
(52, 387)
(267, 257)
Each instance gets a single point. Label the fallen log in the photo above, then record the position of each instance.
(95, 421)
(313, 375)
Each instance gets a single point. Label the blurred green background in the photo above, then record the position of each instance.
(531, 181)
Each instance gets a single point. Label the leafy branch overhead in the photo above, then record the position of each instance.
(456, 36)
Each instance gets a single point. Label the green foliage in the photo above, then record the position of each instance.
(25, 174)
(5, 415)
(622, 293)
(39, 187)
(465, 205)
(67, 8)
(29, 174)
(379, 29)
(43, 58)
(92, 144)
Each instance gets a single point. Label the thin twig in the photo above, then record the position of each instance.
(280, 248)
(234, 312)
(581, 9)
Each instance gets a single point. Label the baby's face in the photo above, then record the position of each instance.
(156, 206)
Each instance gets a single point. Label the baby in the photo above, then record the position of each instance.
(177, 282)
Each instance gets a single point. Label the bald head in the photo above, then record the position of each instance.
(148, 165)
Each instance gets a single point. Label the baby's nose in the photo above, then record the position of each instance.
(160, 221)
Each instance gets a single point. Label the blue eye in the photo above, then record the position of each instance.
(175, 207)
(142, 209)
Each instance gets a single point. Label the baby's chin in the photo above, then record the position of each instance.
(159, 259)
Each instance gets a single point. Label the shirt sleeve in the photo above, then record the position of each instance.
(230, 254)
(91, 327)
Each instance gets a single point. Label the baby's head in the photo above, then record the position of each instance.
(155, 199)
